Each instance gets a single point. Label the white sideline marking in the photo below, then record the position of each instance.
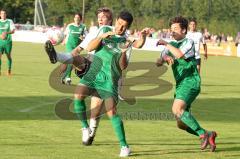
(33, 107)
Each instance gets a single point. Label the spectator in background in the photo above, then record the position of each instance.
(237, 44)
(229, 38)
(28, 25)
(219, 39)
(224, 38)
(154, 33)
(206, 34)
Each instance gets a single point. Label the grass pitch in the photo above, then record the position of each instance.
(31, 128)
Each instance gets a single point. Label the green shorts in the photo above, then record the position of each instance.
(104, 90)
(187, 90)
(100, 81)
(5, 48)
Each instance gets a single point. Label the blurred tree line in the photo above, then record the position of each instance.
(219, 16)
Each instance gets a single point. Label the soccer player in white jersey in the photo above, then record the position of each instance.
(198, 38)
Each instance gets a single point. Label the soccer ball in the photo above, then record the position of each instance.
(55, 35)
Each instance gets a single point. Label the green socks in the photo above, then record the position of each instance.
(119, 129)
(68, 72)
(190, 131)
(9, 62)
(80, 110)
(191, 122)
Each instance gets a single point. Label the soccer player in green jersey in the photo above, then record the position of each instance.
(180, 54)
(101, 78)
(75, 33)
(104, 16)
(6, 29)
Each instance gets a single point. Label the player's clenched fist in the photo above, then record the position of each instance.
(3, 35)
(161, 42)
(145, 31)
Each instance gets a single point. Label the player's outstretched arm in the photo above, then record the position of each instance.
(175, 51)
(141, 41)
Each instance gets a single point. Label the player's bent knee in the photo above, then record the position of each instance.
(178, 111)
(79, 96)
(111, 112)
(175, 111)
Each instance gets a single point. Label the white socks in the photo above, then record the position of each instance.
(93, 125)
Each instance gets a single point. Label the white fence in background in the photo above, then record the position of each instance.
(29, 36)
(40, 37)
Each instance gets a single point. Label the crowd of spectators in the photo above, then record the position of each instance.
(214, 39)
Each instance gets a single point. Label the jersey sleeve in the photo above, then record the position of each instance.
(12, 26)
(187, 48)
(164, 52)
(87, 39)
(103, 30)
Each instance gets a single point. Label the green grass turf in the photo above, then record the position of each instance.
(31, 127)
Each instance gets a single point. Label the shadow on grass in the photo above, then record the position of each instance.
(227, 149)
(185, 151)
(49, 108)
(163, 152)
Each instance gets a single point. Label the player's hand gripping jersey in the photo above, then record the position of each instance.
(104, 72)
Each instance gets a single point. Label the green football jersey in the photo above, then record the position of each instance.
(74, 33)
(185, 72)
(6, 26)
(186, 66)
(105, 71)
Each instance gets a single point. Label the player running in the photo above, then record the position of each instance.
(75, 33)
(6, 29)
(181, 55)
